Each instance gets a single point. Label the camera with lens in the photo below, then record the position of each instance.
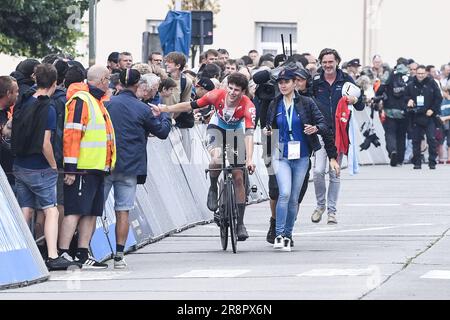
(375, 101)
(370, 137)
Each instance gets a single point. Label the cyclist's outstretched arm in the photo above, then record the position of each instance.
(179, 107)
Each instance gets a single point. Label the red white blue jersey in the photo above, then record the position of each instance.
(244, 114)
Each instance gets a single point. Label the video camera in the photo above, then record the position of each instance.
(266, 79)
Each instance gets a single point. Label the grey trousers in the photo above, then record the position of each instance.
(319, 170)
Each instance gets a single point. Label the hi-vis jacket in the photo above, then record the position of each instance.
(89, 142)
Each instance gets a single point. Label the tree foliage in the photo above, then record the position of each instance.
(36, 28)
(190, 5)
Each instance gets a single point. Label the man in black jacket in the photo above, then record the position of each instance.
(394, 108)
(424, 101)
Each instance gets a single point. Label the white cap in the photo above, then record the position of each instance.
(350, 89)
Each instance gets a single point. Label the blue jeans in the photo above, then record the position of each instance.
(290, 175)
(124, 190)
(36, 188)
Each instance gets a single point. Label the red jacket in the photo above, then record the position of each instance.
(341, 120)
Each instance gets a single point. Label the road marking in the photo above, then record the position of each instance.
(431, 204)
(384, 204)
(365, 229)
(344, 231)
(230, 273)
(336, 272)
(437, 274)
(83, 275)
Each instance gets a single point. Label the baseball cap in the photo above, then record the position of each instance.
(354, 63)
(286, 74)
(206, 84)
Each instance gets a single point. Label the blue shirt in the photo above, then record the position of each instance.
(37, 161)
(297, 130)
(133, 120)
(445, 108)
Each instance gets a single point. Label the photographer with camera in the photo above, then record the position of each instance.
(393, 109)
(424, 102)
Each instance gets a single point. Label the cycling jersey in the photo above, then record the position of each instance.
(242, 115)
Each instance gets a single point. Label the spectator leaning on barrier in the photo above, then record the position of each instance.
(9, 91)
(327, 91)
(131, 134)
(424, 102)
(35, 167)
(298, 121)
(395, 125)
(148, 89)
(89, 154)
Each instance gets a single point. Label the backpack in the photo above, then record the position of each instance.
(398, 85)
(185, 119)
(28, 126)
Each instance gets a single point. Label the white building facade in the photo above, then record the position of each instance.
(413, 29)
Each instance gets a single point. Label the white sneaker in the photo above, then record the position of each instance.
(286, 245)
(278, 244)
(119, 263)
(317, 215)
(332, 218)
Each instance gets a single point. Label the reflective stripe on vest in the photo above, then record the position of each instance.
(93, 146)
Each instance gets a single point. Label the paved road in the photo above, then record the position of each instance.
(392, 242)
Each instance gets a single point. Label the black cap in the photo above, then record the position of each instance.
(354, 63)
(129, 77)
(206, 84)
(286, 74)
(26, 67)
(114, 57)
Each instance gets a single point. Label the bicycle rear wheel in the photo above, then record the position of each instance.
(223, 218)
(232, 215)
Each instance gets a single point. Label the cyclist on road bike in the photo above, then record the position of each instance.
(234, 116)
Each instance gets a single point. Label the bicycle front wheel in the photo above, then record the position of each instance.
(232, 215)
(223, 219)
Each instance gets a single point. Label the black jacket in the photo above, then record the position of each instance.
(327, 96)
(431, 92)
(59, 101)
(309, 114)
(28, 126)
(397, 100)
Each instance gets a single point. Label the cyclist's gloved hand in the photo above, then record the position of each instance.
(250, 166)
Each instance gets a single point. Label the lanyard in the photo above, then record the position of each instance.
(289, 117)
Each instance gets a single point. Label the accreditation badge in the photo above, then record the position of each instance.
(293, 150)
(420, 101)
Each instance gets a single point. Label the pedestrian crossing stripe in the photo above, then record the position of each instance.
(211, 273)
(336, 272)
(437, 274)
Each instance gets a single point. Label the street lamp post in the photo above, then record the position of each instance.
(92, 31)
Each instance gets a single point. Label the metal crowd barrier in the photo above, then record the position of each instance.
(20, 261)
(173, 198)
